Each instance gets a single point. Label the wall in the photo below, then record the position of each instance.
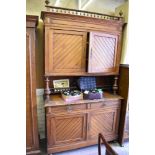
(104, 6)
(124, 56)
(40, 113)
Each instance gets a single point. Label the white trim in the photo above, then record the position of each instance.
(40, 92)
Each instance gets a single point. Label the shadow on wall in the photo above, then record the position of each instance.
(40, 56)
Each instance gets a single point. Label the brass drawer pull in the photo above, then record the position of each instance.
(103, 104)
(69, 108)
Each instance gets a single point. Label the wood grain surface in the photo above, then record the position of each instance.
(32, 142)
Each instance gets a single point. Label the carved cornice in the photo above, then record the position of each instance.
(31, 21)
(82, 13)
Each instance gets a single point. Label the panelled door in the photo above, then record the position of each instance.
(104, 121)
(66, 128)
(65, 52)
(102, 53)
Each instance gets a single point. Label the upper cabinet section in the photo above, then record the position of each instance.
(81, 45)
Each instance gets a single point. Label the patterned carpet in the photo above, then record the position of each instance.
(91, 150)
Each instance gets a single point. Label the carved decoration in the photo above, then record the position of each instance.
(47, 88)
(80, 13)
(47, 2)
(115, 85)
(121, 13)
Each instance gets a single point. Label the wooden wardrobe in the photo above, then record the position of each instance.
(32, 141)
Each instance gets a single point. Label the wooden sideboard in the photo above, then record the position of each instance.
(77, 124)
(78, 43)
(32, 143)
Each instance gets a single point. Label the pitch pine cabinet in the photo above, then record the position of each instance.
(77, 45)
(32, 144)
(80, 43)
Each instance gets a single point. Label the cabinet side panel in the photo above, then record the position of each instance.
(29, 131)
(32, 142)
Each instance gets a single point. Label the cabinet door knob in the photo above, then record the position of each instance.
(103, 104)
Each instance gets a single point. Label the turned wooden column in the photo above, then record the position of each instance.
(115, 85)
(47, 88)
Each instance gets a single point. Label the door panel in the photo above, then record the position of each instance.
(105, 122)
(66, 128)
(102, 52)
(67, 51)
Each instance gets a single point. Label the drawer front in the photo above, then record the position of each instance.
(66, 108)
(104, 104)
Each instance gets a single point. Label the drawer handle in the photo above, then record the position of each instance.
(69, 108)
(103, 104)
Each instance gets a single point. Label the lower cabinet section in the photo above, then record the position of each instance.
(73, 129)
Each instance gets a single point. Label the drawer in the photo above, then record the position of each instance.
(66, 108)
(103, 104)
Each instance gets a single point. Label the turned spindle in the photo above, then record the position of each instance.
(47, 2)
(115, 85)
(47, 88)
(121, 13)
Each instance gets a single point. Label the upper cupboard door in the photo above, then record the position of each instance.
(66, 52)
(102, 53)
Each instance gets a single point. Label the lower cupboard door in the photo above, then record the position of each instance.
(63, 129)
(105, 122)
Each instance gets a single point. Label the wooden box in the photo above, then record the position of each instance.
(72, 98)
